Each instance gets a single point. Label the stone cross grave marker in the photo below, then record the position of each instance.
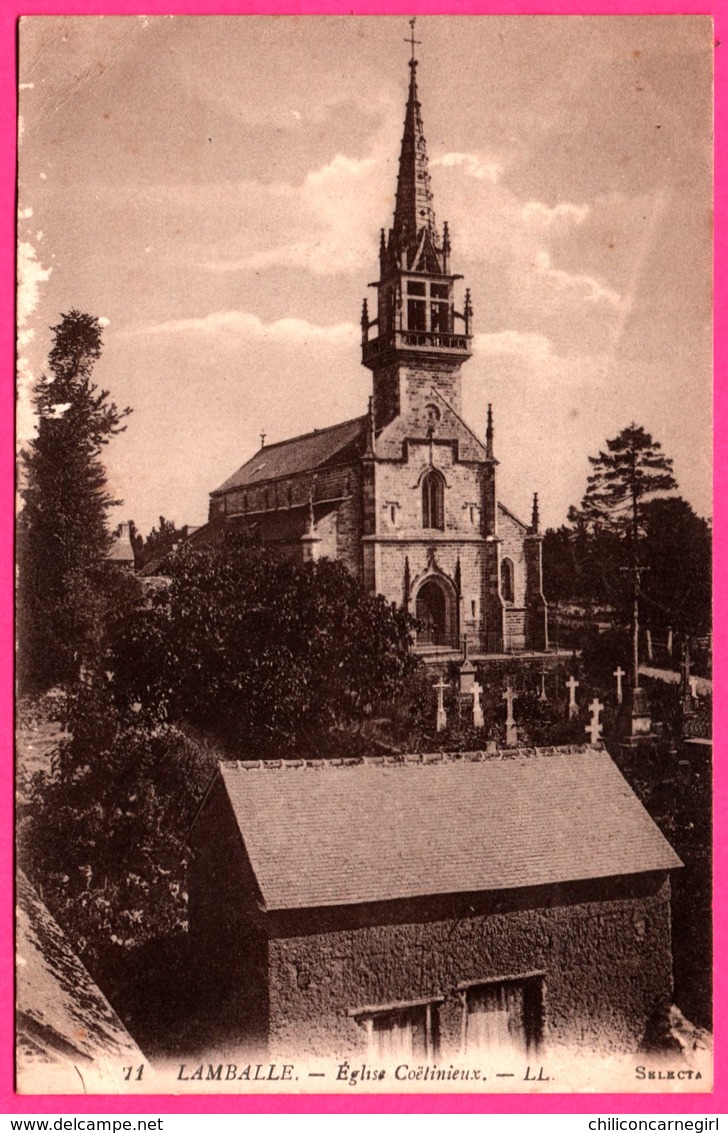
(572, 686)
(441, 718)
(511, 732)
(594, 728)
(478, 718)
(619, 673)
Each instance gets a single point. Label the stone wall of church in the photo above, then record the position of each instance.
(286, 492)
(440, 556)
(399, 486)
(401, 387)
(280, 510)
(400, 529)
(349, 524)
(419, 380)
(512, 535)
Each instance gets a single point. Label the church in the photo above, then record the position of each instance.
(406, 494)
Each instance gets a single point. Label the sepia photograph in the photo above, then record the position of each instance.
(364, 543)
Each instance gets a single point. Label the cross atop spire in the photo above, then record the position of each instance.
(412, 41)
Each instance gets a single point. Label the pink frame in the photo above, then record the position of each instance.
(12, 1103)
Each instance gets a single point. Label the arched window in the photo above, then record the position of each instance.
(507, 590)
(433, 501)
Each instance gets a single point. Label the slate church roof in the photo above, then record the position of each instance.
(382, 829)
(334, 445)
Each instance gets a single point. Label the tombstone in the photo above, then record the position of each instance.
(594, 728)
(542, 695)
(619, 673)
(693, 682)
(511, 731)
(648, 640)
(572, 686)
(478, 718)
(669, 640)
(635, 719)
(441, 718)
(466, 678)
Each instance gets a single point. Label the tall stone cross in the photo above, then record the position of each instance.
(478, 718)
(685, 669)
(619, 673)
(594, 728)
(511, 732)
(572, 686)
(441, 719)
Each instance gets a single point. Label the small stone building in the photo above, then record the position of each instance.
(430, 906)
(405, 495)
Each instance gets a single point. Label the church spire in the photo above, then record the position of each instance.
(418, 322)
(413, 208)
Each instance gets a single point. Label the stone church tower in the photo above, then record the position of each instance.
(406, 495)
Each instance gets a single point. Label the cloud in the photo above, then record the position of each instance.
(536, 210)
(31, 275)
(513, 342)
(471, 165)
(590, 289)
(333, 208)
(249, 326)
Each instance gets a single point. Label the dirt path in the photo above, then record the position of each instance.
(703, 686)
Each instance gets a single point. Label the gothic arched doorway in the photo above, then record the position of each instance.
(435, 610)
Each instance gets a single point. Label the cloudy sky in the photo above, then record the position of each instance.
(213, 189)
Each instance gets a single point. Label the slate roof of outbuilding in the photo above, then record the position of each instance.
(300, 454)
(62, 1016)
(378, 830)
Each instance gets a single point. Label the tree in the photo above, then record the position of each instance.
(158, 543)
(103, 835)
(631, 473)
(625, 478)
(266, 656)
(62, 529)
(677, 551)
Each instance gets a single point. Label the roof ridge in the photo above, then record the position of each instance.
(311, 433)
(411, 759)
(513, 515)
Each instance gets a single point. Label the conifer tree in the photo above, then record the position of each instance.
(631, 473)
(62, 530)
